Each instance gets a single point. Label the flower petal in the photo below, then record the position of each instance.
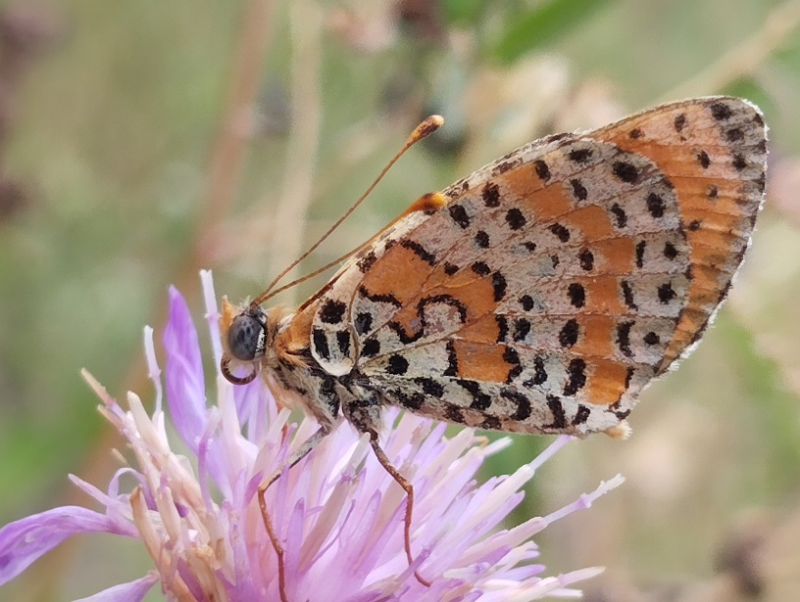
(212, 313)
(186, 394)
(339, 514)
(132, 591)
(26, 540)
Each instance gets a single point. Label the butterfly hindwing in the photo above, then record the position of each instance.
(552, 285)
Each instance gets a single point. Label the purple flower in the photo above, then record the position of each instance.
(338, 514)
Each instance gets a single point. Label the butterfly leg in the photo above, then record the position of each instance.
(365, 417)
(323, 431)
(275, 541)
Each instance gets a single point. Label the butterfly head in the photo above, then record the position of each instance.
(244, 335)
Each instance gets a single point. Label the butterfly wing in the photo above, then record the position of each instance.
(714, 151)
(552, 285)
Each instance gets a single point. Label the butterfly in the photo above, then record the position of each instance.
(540, 294)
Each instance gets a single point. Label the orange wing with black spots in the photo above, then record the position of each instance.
(544, 291)
(714, 152)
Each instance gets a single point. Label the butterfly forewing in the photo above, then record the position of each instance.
(553, 284)
(714, 152)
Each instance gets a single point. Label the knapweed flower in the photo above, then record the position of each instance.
(338, 515)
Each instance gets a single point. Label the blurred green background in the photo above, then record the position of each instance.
(140, 141)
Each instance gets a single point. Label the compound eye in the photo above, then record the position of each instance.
(246, 337)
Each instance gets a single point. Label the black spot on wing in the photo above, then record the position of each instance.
(655, 205)
(391, 299)
(430, 387)
(734, 135)
(491, 194)
(510, 356)
(586, 259)
(504, 167)
(482, 239)
(480, 400)
(582, 415)
(320, 342)
(761, 183)
(522, 328)
(577, 294)
(367, 261)
(412, 402)
(371, 348)
(580, 155)
(401, 333)
(363, 322)
(622, 415)
(447, 300)
(651, 338)
(343, 342)
(397, 365)
(499, 286)
(502, 327)
(459, 215)
(419, 250)
(559, 417)
(453, 413)
(619, 215)
(627, 294)
(627, 172)
(577, 376)
(578, 189)
(624, 338)
(526, 301)
(720, 111)
(561, 232)
(568, 335)
(332, 311)
(640, 247)
(539, 375)
(452, 360)
(481, 268)
(523, 410)
(515, 219)
(542, 170)
(666, 293)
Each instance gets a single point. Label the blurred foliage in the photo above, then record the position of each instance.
(110, 116)
(540, 25)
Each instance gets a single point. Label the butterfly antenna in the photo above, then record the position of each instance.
(427, 127)
(308, 276)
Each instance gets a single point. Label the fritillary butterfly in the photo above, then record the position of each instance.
(541, 293)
